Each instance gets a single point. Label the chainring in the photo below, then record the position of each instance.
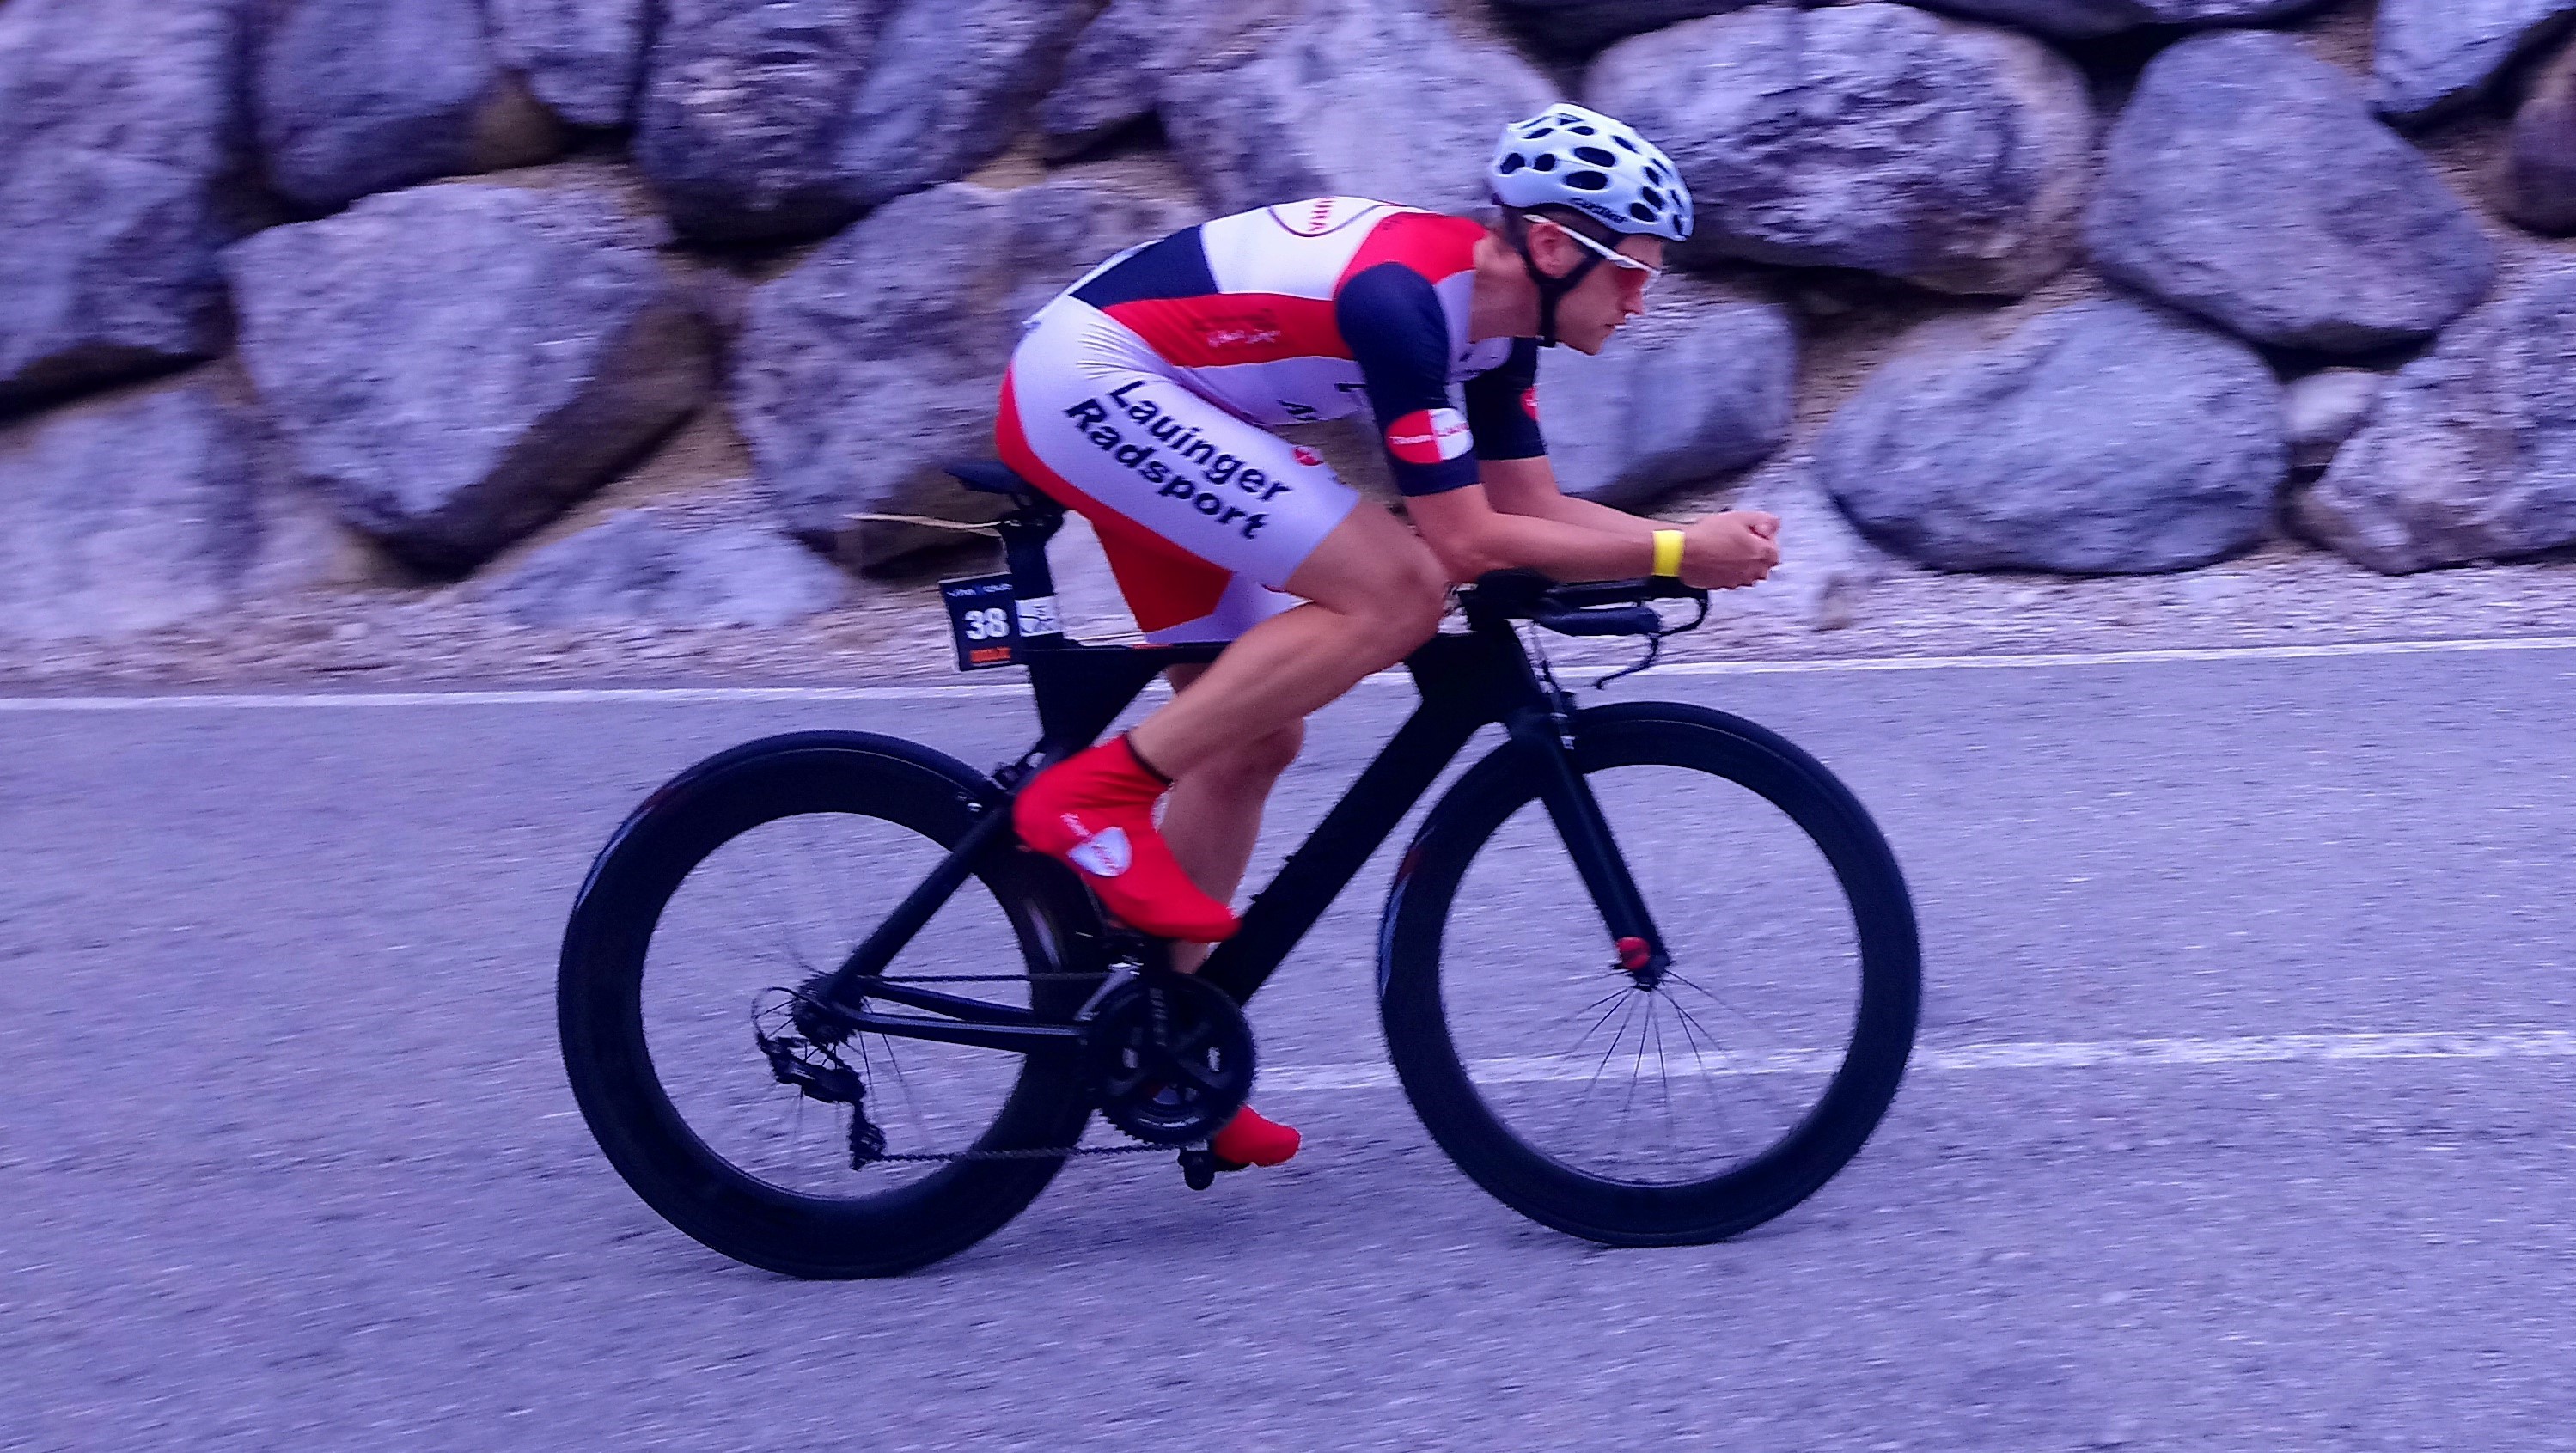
(1169, 1058)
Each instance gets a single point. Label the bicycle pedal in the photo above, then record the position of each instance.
(1201, 1166)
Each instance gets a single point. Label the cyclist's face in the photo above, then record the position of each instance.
(1608, 297)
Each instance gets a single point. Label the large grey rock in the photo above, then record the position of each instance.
(868, 365)
(1113, 76)
(742, 107)
(2471, 454)
(1371, 98)
(2248, 183)
(583, 58)
(668, 566)
(2324, 410)
(121, 140)
(361, 96)
(123, 515)
(455, 364)
(2540, 159)
(1870, 136)
(2436, 54)
(951, 82)
(1702, 388)
(1576, 26)
(2086, 19)
(792, 117)
(2107, 437)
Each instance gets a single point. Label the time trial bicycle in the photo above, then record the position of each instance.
(1648, 973)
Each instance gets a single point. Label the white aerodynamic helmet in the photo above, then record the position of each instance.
(1567, 156)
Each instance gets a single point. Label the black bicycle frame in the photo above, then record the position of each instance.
(1467, 681)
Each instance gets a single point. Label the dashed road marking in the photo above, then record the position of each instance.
(2514, 1044)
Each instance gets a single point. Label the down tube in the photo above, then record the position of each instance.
(1334, 853)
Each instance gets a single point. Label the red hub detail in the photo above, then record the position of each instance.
(1633, 954)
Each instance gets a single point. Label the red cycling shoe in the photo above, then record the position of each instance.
(1248, 1139)
(1095, 811)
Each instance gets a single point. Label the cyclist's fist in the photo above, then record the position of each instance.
(1722, 552)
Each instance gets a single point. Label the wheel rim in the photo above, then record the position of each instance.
(760, 914)
(1692, 1077)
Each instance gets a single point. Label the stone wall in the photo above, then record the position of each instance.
(599, 310)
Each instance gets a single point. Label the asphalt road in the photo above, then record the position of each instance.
(287, 1159)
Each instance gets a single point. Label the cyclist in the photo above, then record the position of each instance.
(1138, 398)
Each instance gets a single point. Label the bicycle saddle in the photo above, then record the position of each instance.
(989, 476)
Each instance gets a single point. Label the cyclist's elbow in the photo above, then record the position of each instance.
(1466, 555)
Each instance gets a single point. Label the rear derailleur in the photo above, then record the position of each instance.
(818, 1072)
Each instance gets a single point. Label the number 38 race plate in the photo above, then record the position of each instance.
(987, 620)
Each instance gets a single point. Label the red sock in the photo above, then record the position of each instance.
(1095, 810)
(1248, 1139)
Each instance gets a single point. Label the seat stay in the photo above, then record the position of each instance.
(869, 959)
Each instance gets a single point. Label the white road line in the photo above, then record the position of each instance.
(2041, 1055)
(532, 696)
(2119, 658)
(703, 695)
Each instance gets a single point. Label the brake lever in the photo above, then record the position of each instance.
(1655, 639)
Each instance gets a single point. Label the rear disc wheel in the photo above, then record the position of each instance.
(739, 883)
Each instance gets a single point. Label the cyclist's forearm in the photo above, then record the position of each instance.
(1564, 549)
(1565, 509)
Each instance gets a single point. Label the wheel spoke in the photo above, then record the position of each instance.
(1727, 877)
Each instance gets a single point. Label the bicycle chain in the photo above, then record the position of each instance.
(1055, 1152)
(1059, 1152)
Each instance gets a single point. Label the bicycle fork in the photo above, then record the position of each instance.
(1574, 809)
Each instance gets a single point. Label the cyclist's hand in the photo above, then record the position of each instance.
(1722, 552)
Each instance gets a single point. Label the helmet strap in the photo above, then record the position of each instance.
(1553, 289)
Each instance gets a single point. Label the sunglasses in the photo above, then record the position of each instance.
(1615, 258)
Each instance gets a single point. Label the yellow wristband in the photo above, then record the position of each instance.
(1668, 553)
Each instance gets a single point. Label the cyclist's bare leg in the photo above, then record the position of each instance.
(1213, 816)
(1373, 593)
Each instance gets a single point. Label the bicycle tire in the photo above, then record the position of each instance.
(1436, 1077)
(600, 1012)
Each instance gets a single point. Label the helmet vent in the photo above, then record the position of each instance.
(1569, 156)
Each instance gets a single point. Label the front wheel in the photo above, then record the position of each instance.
(1653, 1110)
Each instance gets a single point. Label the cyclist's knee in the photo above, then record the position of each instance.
(1416, 596)
(1376, 572)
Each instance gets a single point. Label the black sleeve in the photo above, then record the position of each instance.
(1502, 406)
(1392, 322)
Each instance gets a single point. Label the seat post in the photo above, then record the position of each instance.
(1033, 520)
(1025, 532)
